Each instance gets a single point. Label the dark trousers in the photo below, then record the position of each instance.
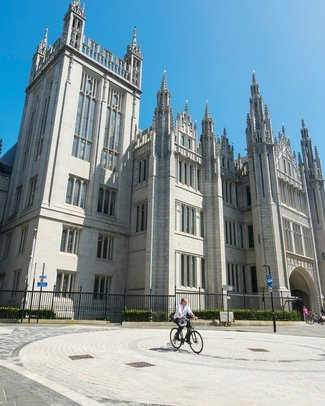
(180, 328)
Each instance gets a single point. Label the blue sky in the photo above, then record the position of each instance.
(208, 47)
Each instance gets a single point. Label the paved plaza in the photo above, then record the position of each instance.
(89, 365)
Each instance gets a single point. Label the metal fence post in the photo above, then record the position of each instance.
(79, 304)
(24, 301)
(52, 303)
(106, 303)
(199, 298)
(175, 301)
(150, 305)
(31, 298)
(124, 305)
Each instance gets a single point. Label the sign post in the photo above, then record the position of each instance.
(269, 284)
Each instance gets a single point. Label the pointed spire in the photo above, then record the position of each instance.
(283, 129)
(46, 36)
(253, 78)
(316, 153)
(134, 38)
(163, 86)
(266, 111)
(186, 107)
(302, 123)
(224, 132)
(206, 112)
(207, 123)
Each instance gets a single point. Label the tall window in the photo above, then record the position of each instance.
(84, 129)
(288, 235)
(254, 279)
(28, 139)
(22, 240)
(113, 127)
(203, 273)
(248, 196)
(7, 245)
(64, 285)
(17, 199)
(188, 219)
(101, 286)
(141, 217)
(70, 240)
(201, 224)
(2, 279)
(39, 146)
(31, 191)
(188, 271)
(143, 165)
(16, 279)
(76, 191)
(106, 201)
(250, 236)
(297, 239)
(308, 242)
(185, 173)
(104, 246)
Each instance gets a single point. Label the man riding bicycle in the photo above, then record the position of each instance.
(180, 316)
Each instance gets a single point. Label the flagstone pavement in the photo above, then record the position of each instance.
(89, 365)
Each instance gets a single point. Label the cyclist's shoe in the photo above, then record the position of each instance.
(187, 340)
(176, 338)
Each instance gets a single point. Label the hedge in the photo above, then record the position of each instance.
(211, 314)
(16, 313)
(214, 314)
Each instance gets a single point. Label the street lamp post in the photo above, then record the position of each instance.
(269, 282)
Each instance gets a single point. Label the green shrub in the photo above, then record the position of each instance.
(211, 314)
(16, 313)
(10, 313)
(214, 314)
(144, 315)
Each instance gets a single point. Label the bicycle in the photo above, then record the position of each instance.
(192, 337)
(314, 318)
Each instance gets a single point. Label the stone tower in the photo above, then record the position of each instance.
(267, 232)
(69, 202)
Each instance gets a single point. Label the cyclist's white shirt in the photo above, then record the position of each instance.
(183, 310)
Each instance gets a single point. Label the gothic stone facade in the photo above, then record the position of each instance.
(94, 202)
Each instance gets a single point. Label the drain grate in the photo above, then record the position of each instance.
(258, 349)
(140, 364)
(84, 356)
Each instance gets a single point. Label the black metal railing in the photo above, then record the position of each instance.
(81, 305)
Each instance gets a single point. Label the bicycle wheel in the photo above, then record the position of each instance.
(309, 319)
(175, 343)
(196, 342)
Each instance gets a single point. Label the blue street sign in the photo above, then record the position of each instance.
(269, 280)
(43, 276)
(42, 284)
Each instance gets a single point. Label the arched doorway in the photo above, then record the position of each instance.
(302, 286)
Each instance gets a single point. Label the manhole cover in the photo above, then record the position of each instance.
(258, 350)
(85, 356)
(140, 364)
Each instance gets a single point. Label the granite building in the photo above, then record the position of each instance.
(95, 202)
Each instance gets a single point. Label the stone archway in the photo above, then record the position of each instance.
(302, 286)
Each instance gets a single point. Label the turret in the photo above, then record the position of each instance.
(163, 122)
(74, 25)
(259, 127)
(39, 55)
(133, 57)
(207, 123)
(311, 160)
